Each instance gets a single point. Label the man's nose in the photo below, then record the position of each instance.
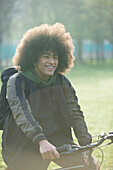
(51, 60)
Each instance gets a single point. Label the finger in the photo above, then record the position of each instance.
(57, 155)
(45, 155)
(52, 155)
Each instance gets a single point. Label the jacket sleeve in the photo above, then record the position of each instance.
(76, 115)
(21, 110)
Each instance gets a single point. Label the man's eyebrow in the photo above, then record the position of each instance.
(45, 53)
(48, 53)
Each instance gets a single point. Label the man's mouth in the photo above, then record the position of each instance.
(50, 67)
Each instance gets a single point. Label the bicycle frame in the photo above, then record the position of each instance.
(72, 168)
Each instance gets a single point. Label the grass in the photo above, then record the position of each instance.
(94, 88)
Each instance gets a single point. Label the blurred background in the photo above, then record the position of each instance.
(89, 22)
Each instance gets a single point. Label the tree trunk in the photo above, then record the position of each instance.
(98, 51)
(79, 50)
(102, 56)
(91, 52)
(112, 51)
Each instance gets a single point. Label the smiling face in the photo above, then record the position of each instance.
(46, 65)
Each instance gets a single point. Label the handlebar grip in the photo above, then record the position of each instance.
(67, 149)
(110, 136)
(63, 148)
(110, 132)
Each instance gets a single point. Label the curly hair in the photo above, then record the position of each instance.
(43, 38)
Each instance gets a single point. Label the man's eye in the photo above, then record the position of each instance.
(55, 57)
(46, 56)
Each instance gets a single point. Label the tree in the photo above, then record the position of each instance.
(83, 19)
(6, 11)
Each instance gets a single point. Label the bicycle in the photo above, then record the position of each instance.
(86, 150)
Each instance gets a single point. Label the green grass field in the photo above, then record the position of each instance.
(94, 88)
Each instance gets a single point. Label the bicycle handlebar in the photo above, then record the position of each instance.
(67, 149)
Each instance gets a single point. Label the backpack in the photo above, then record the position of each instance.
(4, 105)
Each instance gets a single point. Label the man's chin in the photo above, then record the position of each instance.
(50, 73)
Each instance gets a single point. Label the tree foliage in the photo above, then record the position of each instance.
(83, 19)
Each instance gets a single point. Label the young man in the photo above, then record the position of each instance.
(43, 102)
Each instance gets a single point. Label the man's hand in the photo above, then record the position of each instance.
(47, 150)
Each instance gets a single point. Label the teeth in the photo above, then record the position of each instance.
(50, 66)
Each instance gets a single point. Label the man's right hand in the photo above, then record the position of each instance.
(48, 151)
